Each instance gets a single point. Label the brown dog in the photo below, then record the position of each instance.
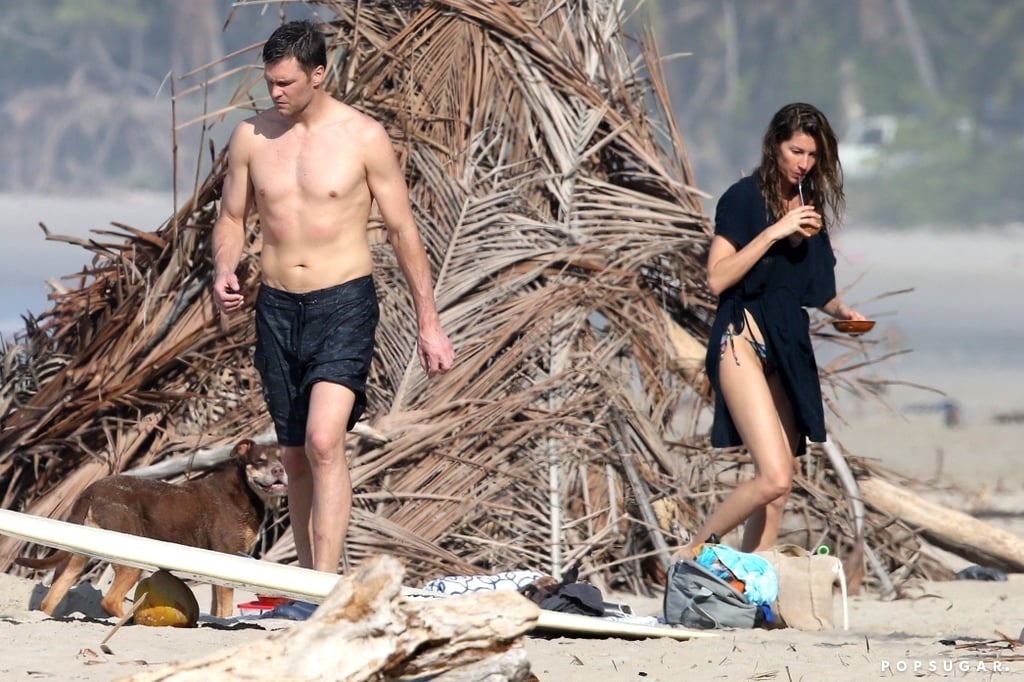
(222, 511)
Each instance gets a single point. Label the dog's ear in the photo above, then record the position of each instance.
(242, 448)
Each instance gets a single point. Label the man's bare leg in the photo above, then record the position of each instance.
(331, 503)
(300, 497)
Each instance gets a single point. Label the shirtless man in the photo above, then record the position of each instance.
(313, 166)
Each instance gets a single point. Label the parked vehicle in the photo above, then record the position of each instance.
(870, 148)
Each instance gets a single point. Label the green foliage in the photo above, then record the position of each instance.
(778, 51)
(805, 69)
(887, 80)
(747, 58)
(963, 182)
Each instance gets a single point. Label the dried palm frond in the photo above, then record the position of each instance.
(567, 240)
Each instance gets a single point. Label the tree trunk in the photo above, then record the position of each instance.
(919, 49)
(198, 38)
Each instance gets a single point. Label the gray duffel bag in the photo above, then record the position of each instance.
(697, 598)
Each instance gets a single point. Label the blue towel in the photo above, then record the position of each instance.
(761, 584)
(295, 610)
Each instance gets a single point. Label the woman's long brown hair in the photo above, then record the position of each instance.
(823, 186)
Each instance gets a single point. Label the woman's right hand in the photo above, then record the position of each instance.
(802, 220)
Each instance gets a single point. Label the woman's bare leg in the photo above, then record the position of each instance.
(761, 530)
(752, 405)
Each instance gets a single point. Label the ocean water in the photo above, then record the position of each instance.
(960, 317)
(961, 309)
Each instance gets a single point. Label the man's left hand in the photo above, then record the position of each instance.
(437, 355)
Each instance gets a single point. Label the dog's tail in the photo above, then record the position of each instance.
(42, 562)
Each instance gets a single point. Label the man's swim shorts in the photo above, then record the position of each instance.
(325, 335)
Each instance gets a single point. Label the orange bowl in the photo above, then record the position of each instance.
(853, 327)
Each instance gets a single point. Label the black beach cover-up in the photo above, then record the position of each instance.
(775, 292)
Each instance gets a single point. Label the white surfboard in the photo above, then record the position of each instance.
(262, 577)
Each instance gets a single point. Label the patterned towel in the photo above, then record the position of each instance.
(460, 584)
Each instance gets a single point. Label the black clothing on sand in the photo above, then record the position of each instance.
(775, 292)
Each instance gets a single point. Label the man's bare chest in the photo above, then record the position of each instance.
(319, 166)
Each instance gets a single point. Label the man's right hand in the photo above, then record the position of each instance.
(227, 292)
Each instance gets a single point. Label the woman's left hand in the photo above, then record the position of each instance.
(845, 313)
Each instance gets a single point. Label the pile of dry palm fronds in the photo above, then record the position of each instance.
(567, 241)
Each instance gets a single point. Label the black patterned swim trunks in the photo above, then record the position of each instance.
(325, 335)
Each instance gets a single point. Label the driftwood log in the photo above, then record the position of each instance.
(211, 457)
(949, 529)
(365, 630)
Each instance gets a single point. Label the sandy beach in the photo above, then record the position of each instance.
(962, 321)
(949, 630)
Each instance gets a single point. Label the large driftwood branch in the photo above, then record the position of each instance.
(209, 458)
(203, 459)
(949, 529)
(365, 630)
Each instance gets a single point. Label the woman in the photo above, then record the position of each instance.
(770, 257)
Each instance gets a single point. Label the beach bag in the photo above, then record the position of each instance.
(805, 599)
(697, 598)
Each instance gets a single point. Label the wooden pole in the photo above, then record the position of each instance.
(849, 482)
(643, 501)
